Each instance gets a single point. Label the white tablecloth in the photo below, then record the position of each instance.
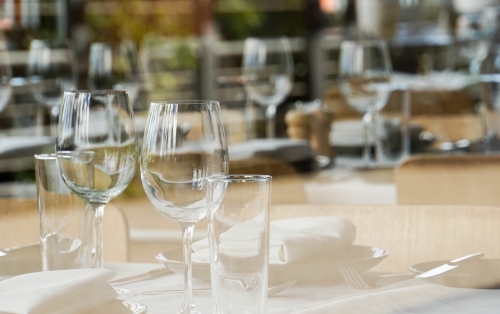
(411, 296)
(352, 187)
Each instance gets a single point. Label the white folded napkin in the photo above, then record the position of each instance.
(291, 240)
(56, 292)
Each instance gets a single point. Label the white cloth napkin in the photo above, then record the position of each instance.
(56, 292)
(292, 239)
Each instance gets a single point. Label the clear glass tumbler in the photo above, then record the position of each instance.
(238, 228)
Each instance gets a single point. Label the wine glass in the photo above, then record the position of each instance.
(5, 76)
(474, 32)
(51, 71)
(364, 76)
(268, 75)
(184, 143)
(96, 149)
(490, 93)
(113, 65)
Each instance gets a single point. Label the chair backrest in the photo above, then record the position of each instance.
(449, 179)
(414, 234)
(20, 226)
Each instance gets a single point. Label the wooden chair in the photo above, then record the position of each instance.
(20, 226)
(414, 234)
(449, 179)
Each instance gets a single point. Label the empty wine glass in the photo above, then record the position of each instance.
(51, 71)
(268, 75)
(184, 143)
(113, 65)
(5, 76)
(364, 74)
(490, 92)
(96, 149)
(474, 32)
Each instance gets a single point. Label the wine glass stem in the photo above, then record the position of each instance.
(54, 120)
(475, 67)
(88, 236)
(271, 121)
(98, 212)
(367, 129)
(187, 237)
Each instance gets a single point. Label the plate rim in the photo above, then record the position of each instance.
(384, 254)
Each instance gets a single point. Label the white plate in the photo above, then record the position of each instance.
(320, 269)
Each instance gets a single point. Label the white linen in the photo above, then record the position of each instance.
(319, 299)
(417, 299)
(352, 191)
(56, 292)
(292, 239)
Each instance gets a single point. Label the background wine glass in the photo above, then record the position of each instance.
(490, 93)
(5, 76)
(364, 74)
(113, 65)
(474, 32)
(268, 75)
(51, 71)
(96, 150)
(184, 143)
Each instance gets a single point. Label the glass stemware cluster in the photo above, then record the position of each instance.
(96, 148)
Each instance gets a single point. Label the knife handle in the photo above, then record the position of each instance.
(467, 257)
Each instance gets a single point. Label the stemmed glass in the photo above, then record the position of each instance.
(268, 75)
(474, 32)
(51, 71)
(113, 65)
(364, 74)
(96, 149)
(5, 76)
(490, 90)
(184, 143)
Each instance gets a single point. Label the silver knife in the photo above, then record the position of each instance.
(450, 265)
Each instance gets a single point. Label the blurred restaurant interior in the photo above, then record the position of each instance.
(431, 137)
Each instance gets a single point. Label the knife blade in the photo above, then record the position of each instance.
(450, 265)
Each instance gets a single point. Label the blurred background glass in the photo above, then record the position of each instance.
(194, 49)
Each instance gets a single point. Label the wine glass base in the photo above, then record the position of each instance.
(135, 308)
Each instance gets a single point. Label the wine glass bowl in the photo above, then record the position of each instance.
(268, 74)
(474, 32)
(5, 77)
(184, 143)
(51, 71)
(364, 76)
(96, 149)
(113, 65)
